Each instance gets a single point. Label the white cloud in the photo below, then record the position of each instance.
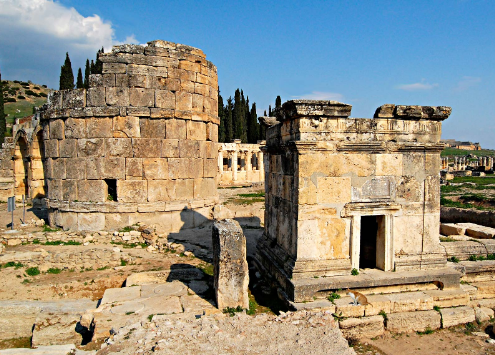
(321, 95)
(423, 85)
(466, 82)
(37, 33)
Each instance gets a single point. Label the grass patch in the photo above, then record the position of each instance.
(454, 259)
(383, 314)
(48, 229)
(130, 245)
(253, 306)
(123, 262)
(333, 296)
(354, 272)
(461, 152)
(59, 242)
(13, 264)
(254, 194)
(54, 270)
(126, 229)
(207, 268)
(232, 311)
(428, 330)
(447, 239)
(103, 268)
(33, 271)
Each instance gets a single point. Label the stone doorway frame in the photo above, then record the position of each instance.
(355, 211)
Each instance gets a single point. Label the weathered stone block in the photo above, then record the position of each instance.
(184, 189)
(389, 164)
(483, 314)
(170, 148)
(95, 97)
(161, 190)
(212, 132)
(457, 315)
(68, 148)
(74, 98)
(187, 86)
(134, 167)
(141, 97)
(75, 168)
(210, 168)
(92, 190)
(57, 128)
(122, 80)
(165, 99)
(51, 148)
(138, 111)
(175, 129)
(140, 81)
(54, 189)
(75, 128)
(94, 168)
(118, 147)
(155, 168)
(231, 274)
(90, 147)
(152, 128)
(376, 304)
(99, 128)
(58, 168)
(346, 308)
(162, 113)
(126, 127)
(170, 84)
(146, 147)
(386, 110)
(69, 190)
(117, 96)
(410, 301)
(366, 327)
(196, 130)
(113, 68)
(413, 321)
(183, 101)
(451, 229)
(90, 221)
(334, 189)
(16, 320)
(113, 168)
(132, 191)
(448, 298)
(191, 149)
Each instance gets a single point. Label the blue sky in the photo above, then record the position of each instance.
(365, 53)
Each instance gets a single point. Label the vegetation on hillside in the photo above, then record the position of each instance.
(469, 192)
(461, 152)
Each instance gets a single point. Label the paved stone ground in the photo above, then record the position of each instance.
(289, 333)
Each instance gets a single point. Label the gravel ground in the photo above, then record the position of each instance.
(289, 333)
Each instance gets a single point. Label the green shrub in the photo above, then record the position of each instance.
(13, 264)
(20, 97)
(54, 270)
(42, 94)
(354, 272)
(333, 296)
(454, 259)
(33, 271)
(472, 258)
(10, 99)
(232, 311)
(383, 314)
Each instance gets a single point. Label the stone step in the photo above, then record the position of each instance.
(477, 231)
(48, 350)
(449, 298)
(485, 289)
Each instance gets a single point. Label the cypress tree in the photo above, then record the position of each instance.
(66, 74)
(278, 102)
(3, 124)
(93, 68)
(229, 126)
(98, 63)
(253, 125)
(270, 114)
(221, 115)
(264, 113)
(239, 116)
(87, 72)
(80, 82)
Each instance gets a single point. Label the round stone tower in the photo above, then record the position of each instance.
(139, 145)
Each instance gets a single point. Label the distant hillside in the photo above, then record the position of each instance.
(20, 97)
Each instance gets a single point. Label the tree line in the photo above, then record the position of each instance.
(67, 75)
(238, 120)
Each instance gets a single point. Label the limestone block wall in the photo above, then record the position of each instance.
(140, 143)
(326, 171)
(6, 170)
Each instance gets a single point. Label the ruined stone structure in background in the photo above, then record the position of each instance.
(348, 193)
(6, 169)
(138, 145)
(240, 164)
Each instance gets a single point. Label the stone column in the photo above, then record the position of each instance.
(220, 161)
(243, 161)
(231, 273)
(249, 165)
(234, 165)
(261, 165)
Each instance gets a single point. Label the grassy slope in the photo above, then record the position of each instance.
(453, 151)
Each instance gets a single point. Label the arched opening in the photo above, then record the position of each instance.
(37, 189)
(21, 168)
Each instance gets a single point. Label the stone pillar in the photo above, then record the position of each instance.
(261, 163)
(243, 161)
(231, 273)
(234, 165)
(249, 165)
(220, 161)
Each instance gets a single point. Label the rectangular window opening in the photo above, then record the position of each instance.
(112, 189)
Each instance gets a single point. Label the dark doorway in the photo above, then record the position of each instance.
(372, 243)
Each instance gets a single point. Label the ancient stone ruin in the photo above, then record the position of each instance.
(348, 193)
(240, 163)
(138, 145)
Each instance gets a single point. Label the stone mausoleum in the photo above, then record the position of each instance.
(138, 145)
(351, 193)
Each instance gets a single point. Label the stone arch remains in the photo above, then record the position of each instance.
(21, 166)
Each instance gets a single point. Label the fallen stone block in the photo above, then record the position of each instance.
(463, 249)
(410, 301)
(366, 327)
(451, 229)
(377, 304)
(17, 319)
(344, 307)
(448, 298)
(231, 274)
(112, 295)
(477, 231)
(457, 315)
(58, 329)
(485, 289)
(318, 304)
(482, 314)
(413, 321)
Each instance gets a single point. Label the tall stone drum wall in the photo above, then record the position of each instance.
(140, 144)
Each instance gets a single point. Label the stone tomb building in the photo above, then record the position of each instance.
(240, 164)
(139, 145)
(349, 193)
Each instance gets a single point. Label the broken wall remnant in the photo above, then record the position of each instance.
(231, 273)
(345, 193)
(140, 144)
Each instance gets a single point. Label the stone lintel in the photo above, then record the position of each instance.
(421, 147)
(312, 108)
(372, 147)
(357, 208)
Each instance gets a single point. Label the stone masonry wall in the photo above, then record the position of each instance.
(149, 125)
